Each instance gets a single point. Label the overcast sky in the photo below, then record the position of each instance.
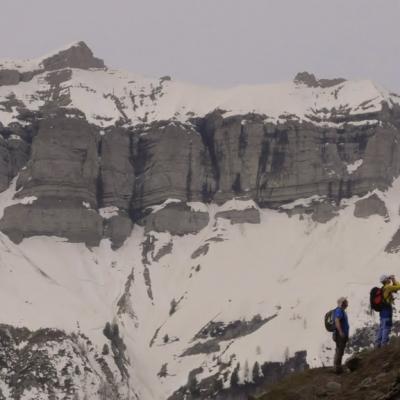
(216, 42)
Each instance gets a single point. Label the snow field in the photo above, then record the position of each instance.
(291, 267)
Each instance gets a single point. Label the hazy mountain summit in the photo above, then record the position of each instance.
(75, 55)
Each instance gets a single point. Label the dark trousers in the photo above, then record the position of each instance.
(340, 347)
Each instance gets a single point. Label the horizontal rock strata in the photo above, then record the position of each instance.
(75, 168)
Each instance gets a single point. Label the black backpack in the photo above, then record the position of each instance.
(376, 299)
(330, 321)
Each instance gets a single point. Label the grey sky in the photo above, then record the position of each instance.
(216, 42)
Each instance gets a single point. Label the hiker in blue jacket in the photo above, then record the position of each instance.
(341, 333)
(390, 286)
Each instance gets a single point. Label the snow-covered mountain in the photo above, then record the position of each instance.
(108, 96)
(159, 239)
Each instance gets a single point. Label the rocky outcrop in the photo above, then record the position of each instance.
(9, 77)
(233, 145)
(65, 177)
(201, 251)
(4, 165)
(394, 245)
(176, 218)
(62, 174)
(14, 154)
(53, 217)
(117, 169)
(170, 161)
(310, 80)
(324, 212)
(216, 331)
(320, 210)
(246, 216)
(313, 161)
(371, 205)
(77, 55)
(64, 161)
(57, 96)
(118, 228)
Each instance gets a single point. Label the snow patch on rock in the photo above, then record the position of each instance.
(306, 202)
(351, 168)
(27, 200)
(108, 212)
(238, 204)
(159, 207)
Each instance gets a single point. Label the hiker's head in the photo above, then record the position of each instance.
(384, 279)
(342, 302)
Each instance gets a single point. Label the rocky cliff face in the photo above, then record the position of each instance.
(73, 170)
(61, 178)
(15, 150)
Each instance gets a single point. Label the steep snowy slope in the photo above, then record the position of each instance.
(274, 280)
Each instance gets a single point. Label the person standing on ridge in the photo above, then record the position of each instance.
(390, 286)
(341, 333)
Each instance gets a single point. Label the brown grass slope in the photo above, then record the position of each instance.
(370, 375)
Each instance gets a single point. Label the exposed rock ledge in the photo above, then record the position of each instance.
(371, 205)
(246, 216)
(310, 80)
(53, 217)
(176, 218)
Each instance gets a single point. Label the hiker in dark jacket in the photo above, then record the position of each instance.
(390, 286)
(341, 333)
